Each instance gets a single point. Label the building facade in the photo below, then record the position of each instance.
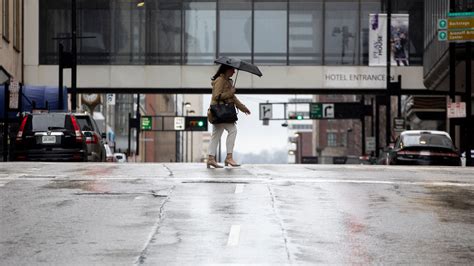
(11, 43)
(169, 45)
(444, 60)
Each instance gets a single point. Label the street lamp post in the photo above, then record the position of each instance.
(299, 147)
(4, 79)
(187, 105)
(187, 139)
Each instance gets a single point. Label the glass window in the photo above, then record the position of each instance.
(16, 25)
(94, 23)
(235, 23)
(415, 10)
(270, 32)
(55, 21)
(164, 34)
(128, 32)
(5, 19)
(367, 7)
(341, 32)
(332, 139)
(200, 32)
(305, 30)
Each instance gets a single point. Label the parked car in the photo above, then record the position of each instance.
(50, 137)
(120, 157)
(423, 147)
(95, 140)
(109, 156)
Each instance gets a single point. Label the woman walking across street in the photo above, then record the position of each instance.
(223, 92)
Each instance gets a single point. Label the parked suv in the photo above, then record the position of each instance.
(95, 140)
(50, 137)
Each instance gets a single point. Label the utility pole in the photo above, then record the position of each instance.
(74, 57)
(389, 52)
(6, 102)
(468, 99)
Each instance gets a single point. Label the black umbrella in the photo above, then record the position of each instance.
(239, 65)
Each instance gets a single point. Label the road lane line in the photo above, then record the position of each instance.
(239, 188)
(234, 235)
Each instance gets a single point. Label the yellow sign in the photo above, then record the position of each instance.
(461, 35)
(461, 23)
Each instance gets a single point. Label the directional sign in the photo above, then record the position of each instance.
(458, 28)
(442, 24)
(179, 123)
(266, 111)
(316, 111)
(460, 14)
(460, 23)
(146, 123)
(442, 35)
(328, 110)
(461, 35)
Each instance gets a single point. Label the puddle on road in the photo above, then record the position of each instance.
(451, 204)
(86, 185)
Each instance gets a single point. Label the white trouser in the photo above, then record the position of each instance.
(217, 130)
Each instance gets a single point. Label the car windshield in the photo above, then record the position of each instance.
(431, 140)
(45, 122)
(84, 123)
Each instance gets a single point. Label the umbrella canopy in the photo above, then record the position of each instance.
(239, 64)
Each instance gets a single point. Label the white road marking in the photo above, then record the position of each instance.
(239, 188)
(234, 236)
(257, 180)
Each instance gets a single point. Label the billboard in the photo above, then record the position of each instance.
(399, 50)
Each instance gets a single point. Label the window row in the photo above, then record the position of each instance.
(266, 32)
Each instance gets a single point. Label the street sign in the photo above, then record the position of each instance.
(442, 35)
(461, 23)
(398, 124)
(456, 110)
(110, 99)
(342, 110)
(328, 110)
(146, 123)
(456, 28)
(315, 110)
(442, 24)
(461, 14)
(266, 111)
(370, 144)
(14, 89)
(461, 35)
(179, 123)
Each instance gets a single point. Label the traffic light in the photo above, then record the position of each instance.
(295, 116)
(195, 123)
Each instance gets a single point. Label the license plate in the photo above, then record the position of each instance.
(425, 153)
(48, 139)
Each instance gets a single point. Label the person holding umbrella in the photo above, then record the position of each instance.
(223, 91)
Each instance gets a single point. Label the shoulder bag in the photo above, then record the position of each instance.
(223, 112)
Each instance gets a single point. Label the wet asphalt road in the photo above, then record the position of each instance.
(185, 214)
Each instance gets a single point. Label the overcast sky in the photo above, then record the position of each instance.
(252, 136)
